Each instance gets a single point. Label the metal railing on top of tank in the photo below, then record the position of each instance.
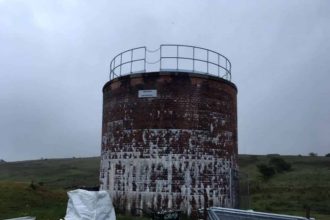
(171, 58)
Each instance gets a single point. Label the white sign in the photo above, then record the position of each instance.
(147, 93)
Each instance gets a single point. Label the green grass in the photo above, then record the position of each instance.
(52, 178)
(63, 173)
(308, 183)
(19, 199)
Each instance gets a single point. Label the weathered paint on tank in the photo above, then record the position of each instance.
(175, 150)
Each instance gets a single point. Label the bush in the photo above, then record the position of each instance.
(312, 154)
(275, 165)
(327, 155)
(33, 186)
(280, 164)
(266, 171)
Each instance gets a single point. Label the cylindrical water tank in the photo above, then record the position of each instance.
(169, 141)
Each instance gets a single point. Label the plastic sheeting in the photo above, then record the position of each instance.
(89, 205)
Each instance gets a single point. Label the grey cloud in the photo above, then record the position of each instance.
(54, 60)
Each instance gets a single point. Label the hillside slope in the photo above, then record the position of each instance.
(32, 187)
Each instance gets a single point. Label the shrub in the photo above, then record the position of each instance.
(312, 154)
(33, 186)
(266, 171)
(327, 155)
(279, 164)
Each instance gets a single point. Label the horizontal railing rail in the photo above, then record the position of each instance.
(171, 57)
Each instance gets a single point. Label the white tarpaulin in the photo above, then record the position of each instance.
(89, 205)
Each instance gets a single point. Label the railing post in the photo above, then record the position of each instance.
(193, 59)
(114, 67)
(226, 67)
(121, 61)
(218, 65)
(110, 70)
(177, 57)
(160, 58)
(207, 63)
(229, 71)
(131, 59)
(145, 58)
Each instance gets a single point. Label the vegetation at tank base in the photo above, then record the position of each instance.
(38, 188)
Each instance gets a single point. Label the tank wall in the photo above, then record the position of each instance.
(176, 149)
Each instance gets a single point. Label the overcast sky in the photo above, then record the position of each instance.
(54, 60)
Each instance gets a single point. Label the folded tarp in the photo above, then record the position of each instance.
(89, 205)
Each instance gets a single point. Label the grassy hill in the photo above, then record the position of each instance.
(38, 188)
(60, 173)
(307, 184)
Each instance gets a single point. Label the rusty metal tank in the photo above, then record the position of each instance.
(169, 133)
